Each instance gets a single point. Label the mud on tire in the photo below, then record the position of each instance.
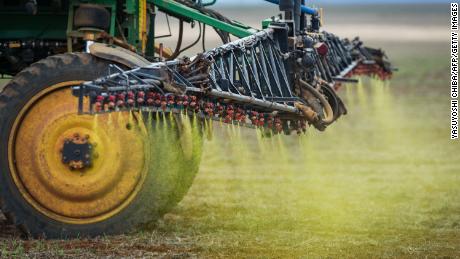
(170, 171)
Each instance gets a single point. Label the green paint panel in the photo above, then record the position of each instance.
(51, 25)
(131, 6)
(23, 26)
(176, 8)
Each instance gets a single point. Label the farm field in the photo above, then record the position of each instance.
(382, 182)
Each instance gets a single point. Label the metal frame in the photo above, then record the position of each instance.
(170, 6)
(252, 67)
(254, 75)
(250, 71)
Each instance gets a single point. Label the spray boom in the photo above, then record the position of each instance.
(258, 81)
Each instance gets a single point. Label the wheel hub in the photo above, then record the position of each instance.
(77, 152)
(46, 148)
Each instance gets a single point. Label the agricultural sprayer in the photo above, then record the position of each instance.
(101, 124)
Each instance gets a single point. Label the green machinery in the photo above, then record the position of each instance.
(32, 31)
(102, 127)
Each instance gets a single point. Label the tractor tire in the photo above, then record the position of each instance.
(142, 166)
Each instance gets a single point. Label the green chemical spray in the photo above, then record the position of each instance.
(247, 173)
(242, 149)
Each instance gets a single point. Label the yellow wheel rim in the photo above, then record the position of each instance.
(85, 196)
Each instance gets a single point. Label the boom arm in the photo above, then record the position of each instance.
(250, 81)
(303, 8)
(173, 7)
(281, 78)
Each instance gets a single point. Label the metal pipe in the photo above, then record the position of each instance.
(180, 10)
(303, 18)
(305, 9)
(326, 105)
(297, 13)
(212, 2)
(347, 70)
(238, 43)
(252, 100)
(247, 99)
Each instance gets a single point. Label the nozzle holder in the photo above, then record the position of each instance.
(286, 5)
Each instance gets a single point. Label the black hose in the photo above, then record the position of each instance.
(179, 40)
(204, 38)
(225, 36)
(194, 43)
(329, 118)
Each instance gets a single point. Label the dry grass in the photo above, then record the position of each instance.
(383, 182)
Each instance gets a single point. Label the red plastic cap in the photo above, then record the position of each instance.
(321, 48)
